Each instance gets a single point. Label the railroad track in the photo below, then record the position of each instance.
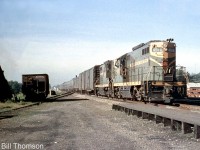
(52, 98)
(49, 99)
(185, 104)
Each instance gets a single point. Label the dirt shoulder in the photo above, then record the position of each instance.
(9, 106)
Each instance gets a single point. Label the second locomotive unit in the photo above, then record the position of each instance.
(147, 73)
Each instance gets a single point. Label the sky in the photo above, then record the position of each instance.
(65, 37)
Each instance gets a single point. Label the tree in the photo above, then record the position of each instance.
(194, 77)
(15, 86)
(5, 90)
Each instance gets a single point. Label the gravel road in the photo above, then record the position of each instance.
(80, 122)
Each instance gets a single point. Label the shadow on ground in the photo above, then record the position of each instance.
(189, 101)
(6, 116)
(64, 100)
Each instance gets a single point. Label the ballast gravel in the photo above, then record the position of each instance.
(82, 122)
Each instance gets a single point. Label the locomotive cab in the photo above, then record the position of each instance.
(165, 81)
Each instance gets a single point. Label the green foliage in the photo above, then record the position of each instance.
(16, 98)
(194, 77)
(5, 90)
(15, 86)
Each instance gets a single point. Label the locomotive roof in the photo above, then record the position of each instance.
(143, 44)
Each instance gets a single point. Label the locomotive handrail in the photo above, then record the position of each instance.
(148, 77)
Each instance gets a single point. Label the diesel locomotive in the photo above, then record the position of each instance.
(147, 73)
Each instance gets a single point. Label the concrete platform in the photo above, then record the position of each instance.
(180, 120)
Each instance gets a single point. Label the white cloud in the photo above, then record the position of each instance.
(188, 58)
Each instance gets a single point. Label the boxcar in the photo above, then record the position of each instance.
(75, 83)
(68, 86)
(91, 79)
(35, 86)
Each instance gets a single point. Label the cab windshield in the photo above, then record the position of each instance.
(172, 50)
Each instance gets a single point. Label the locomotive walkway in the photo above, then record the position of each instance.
(180, 120)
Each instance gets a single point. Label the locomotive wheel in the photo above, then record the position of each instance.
(149, 99)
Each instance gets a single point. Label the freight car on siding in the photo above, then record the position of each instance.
(193, 90)
(35, 86)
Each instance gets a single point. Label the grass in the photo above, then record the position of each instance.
(14, 103)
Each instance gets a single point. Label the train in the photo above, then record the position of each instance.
(35, 86)
(193, 90)
(147, 73)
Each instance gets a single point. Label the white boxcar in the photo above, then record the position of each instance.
(67, 86)
(81, 82)
(89, 77)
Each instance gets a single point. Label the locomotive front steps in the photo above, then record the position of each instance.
(183, 121)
